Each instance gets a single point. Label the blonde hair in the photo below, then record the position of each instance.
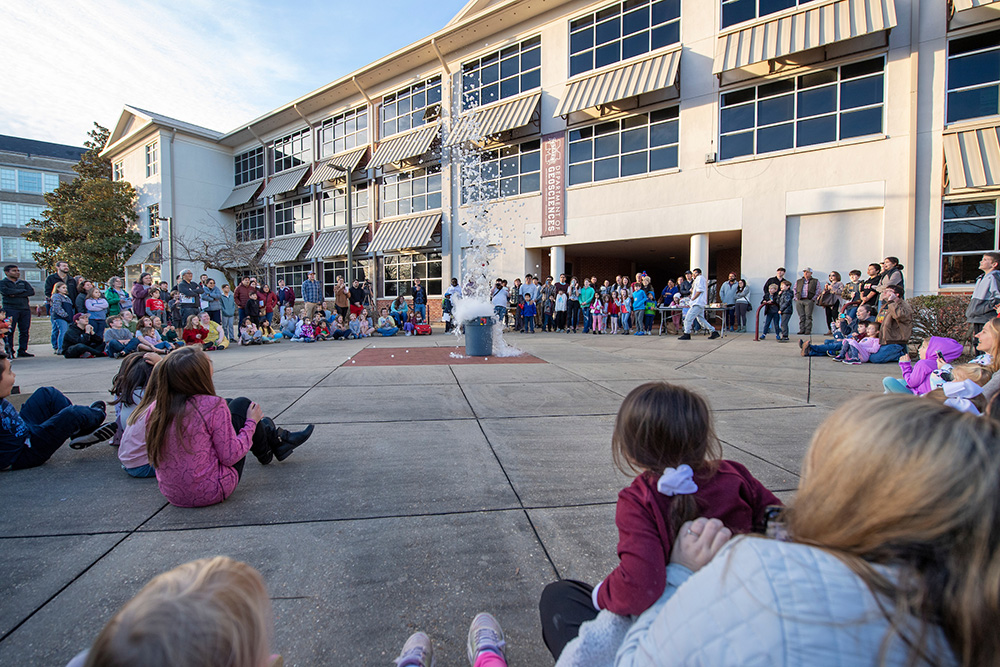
(212, 612)
(898, 481)
(978, 374)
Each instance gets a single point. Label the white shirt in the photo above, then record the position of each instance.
(700, 287)
(501, 297)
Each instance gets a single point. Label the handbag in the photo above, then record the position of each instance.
(827, 299)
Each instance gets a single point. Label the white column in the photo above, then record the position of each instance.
(557, 260)
(699, 253)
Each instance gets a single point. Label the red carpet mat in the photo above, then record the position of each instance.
(429, 356)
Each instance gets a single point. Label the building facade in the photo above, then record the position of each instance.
(620, 136)
(28, 170)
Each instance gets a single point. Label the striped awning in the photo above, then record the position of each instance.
(810, 26)
(241, 195)
(240, 254)
(284, 182)
(406, 145)
(327, 170)
(143, 252)
(495, 118)
(415, 232)
(333, 242)
(635, 78)
(284, 249)
(965, 5)
(973, 158)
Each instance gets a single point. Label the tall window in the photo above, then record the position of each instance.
(969, 229)
(8, 215)
(344, 132)
(29, 181)
(249, 166)
(331, 271)
(398, 272)
(625, 147)
(250, 225)
(153, 215)
(293, 275)
(410, 107)
(118, 171)
(292, 151)
(814, 108)
(335, 206)
(409, 192)
(51, 181)
(151, 162)
(501, 74)
(293, 216)
(623, 30)
(974, 76)
(13, 248)
(19, 215)
(505, 172)
(737, 11)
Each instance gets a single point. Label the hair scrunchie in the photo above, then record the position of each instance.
(677, 481)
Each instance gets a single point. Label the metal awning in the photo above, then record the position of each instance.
(240, 252)
(284, 249)
(970, 12)
(402, 146)
(241, 194)
(973, 158)
(495, 118)
(415, 232)
(965, 5)
(327, 171)
(333, 242)
(635, 78)
(809, 26)
(143, 252)
(284, 182)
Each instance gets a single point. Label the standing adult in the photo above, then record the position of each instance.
(15, 303)
(241, 296)
(268, 302)
(806, 288)
(202, 301)
(829, 298)
(454, 292)
(286, 296)
(118, 299)
(696, 310)
(190, 294)
(213, 297)
(312, 294)
(727, 295)
(419, 296)
(342, 297)
(83, 289)
(60, 276)
(742, 305)
(499, 297)
(986, 295)
(779, 275)
(573, 312)
(892, 274)
(684, 284)
(896, 325)
(356, 295)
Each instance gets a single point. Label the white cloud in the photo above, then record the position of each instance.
(71, 62)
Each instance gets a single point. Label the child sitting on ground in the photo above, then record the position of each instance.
(289, 322)
(355, 326)
(857, 350)
(150, 336)
(665, 433)
(267, 333)
(420, 327)
(137, 379)
(129, 321)
(195, 333)
(367, 326)
(408, 325)
(340, 329)
(249, 333)
(917, 377)
(304, 332)
(320, 329)
(386, 325)
(154, 304)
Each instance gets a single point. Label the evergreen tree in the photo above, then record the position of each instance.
(91, 221)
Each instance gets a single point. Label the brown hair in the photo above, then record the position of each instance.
(183, 373)
(209, 612)
(661, 425)
(898, 481)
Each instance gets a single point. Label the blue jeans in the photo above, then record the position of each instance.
(769, 320)
(52, 419)
(59, 329)
(163, 345)
(585, 310)
(421, 308)
(500, 312)
(117, 347)
(821, 349)
(227, 326)
(140, 471)
(895, 386)
(887, 353)
(529, 323)
(387, 331)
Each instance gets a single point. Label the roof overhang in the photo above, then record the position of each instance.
(972, 156)
(963, 13)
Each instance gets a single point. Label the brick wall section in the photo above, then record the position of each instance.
(605, 268)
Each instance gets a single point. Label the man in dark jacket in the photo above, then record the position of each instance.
(190, 295)
(15, 303)
(241, 295)
(80, 341)
(986, 295)
(805, 300)
(419, 298)
(60, 276)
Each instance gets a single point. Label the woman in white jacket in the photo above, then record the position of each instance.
(893, 558)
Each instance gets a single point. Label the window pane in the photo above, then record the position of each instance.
(608, 54)
(634, 140)
(606, 145)
(665, 10)
(580, 41)
(662, 134)
(974, 43)
(817, 78)
(581, 63)
(969, 235)
(737, 118)
(509, 87)
(608, 31)
(735, 145)
(580, 151)
(972, 103)
(605, 169)
(817, 130)
(861, 92)
(817, 101)
(974, 209)
(634, 164)
(633, 22)
(960, 269)
(635, 45)
(532, 79)
(775, 138)
(530, 162)
(531, 59)
(663, 158)
(737, 11)
(860, 123)
(860, 69)
(580, 173)
(974, 69)
(775, 110)
(531, 182)
(772, 6)
(667, 34)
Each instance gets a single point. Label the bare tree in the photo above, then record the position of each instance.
(224, 251)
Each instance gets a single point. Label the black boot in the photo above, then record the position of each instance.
(288, 441)
(263, 439)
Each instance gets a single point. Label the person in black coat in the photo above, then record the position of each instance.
(15, 303)
(80, 341)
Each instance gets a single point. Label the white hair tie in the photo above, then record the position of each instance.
(677, 481)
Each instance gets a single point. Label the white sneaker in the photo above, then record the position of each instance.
(416, 652)
(485, 634)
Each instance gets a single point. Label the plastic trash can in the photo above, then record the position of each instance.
(479, 338)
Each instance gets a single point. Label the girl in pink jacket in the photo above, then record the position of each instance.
(196, 441)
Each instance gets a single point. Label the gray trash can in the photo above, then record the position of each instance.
(479, 338)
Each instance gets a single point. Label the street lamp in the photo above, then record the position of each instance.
(350, 224)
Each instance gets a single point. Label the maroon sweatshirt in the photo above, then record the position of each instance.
(732, 495)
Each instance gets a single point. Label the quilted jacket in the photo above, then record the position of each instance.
(764, 602)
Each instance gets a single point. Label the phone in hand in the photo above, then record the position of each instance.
(940, 355)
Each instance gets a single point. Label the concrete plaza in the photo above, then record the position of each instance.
(427, 493)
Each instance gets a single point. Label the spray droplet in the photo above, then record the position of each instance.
(352, 361)
(392, 356)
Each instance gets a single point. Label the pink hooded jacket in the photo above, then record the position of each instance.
(918, 376)
(198, 469)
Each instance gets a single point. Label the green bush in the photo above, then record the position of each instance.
(940, 315)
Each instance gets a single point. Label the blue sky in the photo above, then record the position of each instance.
(216, 63)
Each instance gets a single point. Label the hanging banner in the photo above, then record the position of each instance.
(553, 185)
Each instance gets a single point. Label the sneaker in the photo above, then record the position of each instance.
(100, 435)
(763, 336)
(684, 337)
(23, 354)
(713, 335)
(852, 363)
(485, 634)
(417, 651)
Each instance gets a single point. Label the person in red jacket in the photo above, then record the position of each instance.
(194, 332)
(269, 301)
(241, 295)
